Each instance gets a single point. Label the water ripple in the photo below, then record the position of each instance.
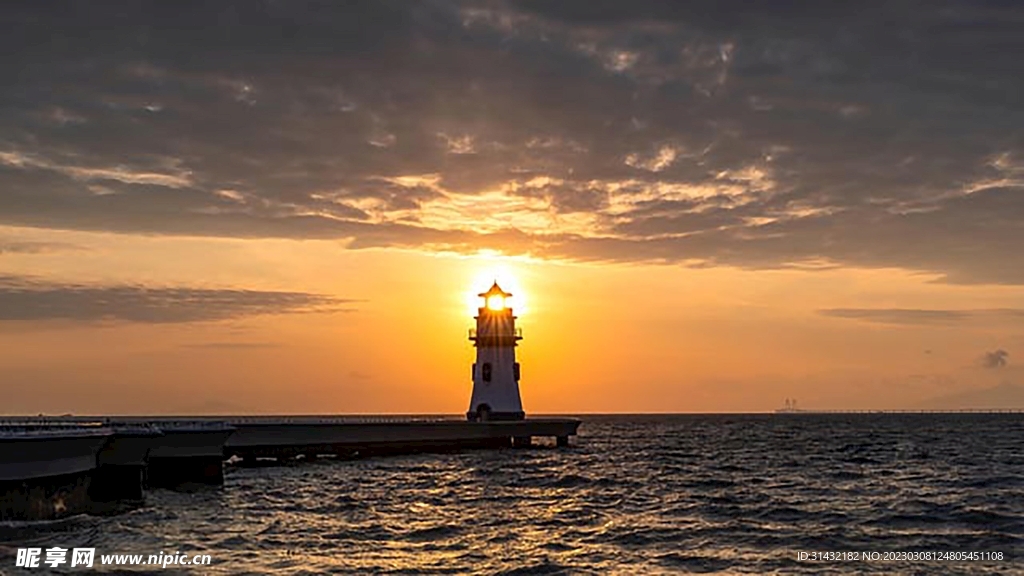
(658, 494)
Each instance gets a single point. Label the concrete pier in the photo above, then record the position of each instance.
(287, 437)
(46, 470)
(188, 454)
(47, 498)
(121, 464)
(102, 465)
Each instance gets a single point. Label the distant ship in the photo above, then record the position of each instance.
(789, 408)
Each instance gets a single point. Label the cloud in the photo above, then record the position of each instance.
(724, 133)
(912, 316)
(995, 359)
(22, 299)
(232, 345)
(898, 315)
(33, 247)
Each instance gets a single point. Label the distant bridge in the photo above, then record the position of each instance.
(906, 411)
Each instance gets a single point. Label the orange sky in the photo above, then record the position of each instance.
(701, 206)
(598, 337)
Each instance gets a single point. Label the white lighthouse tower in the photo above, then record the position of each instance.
(496, 372)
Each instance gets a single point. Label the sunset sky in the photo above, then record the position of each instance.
(288, 207)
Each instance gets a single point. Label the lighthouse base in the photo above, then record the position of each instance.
(488, 416)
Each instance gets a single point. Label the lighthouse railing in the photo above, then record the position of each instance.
(517, 333)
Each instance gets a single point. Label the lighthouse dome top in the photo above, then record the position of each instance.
(495, 290)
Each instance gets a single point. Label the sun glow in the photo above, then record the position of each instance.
(493, 269)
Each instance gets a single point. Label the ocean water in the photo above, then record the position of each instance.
(633, 495)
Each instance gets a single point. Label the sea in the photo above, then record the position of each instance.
(665, 494)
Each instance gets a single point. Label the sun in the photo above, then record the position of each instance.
(493, 270)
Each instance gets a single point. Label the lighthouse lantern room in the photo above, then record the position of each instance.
(496, 372)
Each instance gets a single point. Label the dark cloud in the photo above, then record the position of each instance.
(920, 316)
(994, 359)
(27, 300)
(727, 132)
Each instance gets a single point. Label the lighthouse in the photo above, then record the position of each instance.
(495, 372)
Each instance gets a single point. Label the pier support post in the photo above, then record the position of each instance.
(111, 482)
(522, 441)
(119, 476)
(184, 471)
(562, 441)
